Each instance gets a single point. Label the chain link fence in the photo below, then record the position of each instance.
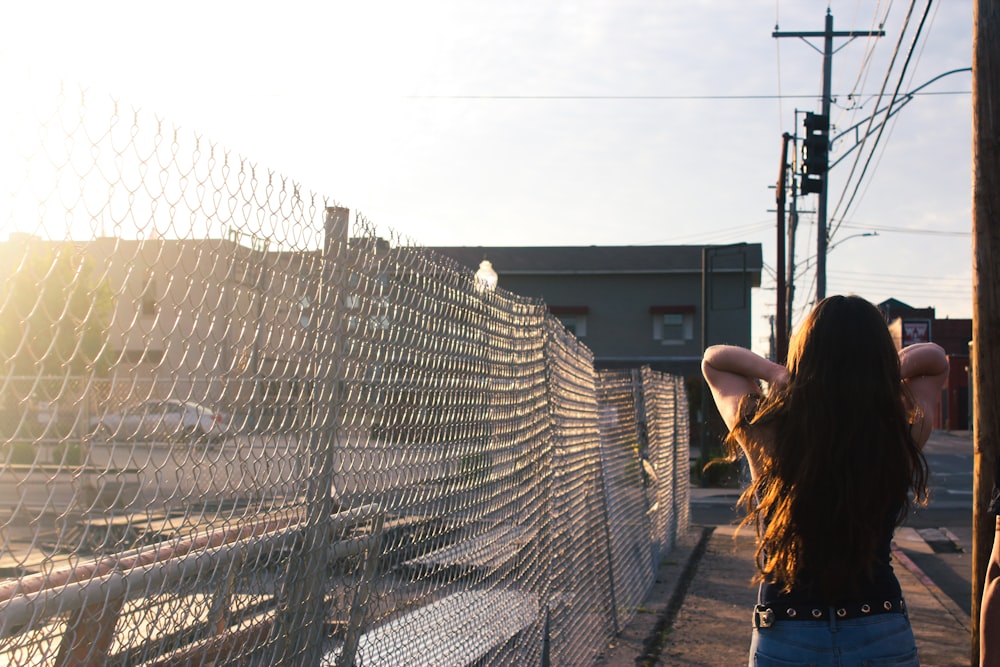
(237, 428)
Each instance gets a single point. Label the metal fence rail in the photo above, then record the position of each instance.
(239, 428)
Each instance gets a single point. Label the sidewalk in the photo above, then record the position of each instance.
(698, 612)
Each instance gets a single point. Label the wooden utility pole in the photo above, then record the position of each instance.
(793, 225)
(822, 233)
(781, 322)
(985, 289)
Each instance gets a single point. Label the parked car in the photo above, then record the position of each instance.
(168, 420)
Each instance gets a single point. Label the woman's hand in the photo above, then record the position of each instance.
(780, 378)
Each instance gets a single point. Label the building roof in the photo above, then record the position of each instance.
(539, 260)
(892, 308)
(893, 303)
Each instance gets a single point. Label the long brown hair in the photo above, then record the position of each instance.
(839, 458)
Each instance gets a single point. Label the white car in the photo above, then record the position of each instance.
(166, 420)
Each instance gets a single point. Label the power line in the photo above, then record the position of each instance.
(702, 237)
(899, 291)
(860, 191)
(895, 96)
(955, 286)
(953, 292)
(875, 294)
(880, 277)
(869, 52)
(889, 111)
(640, 98)
(871, 119)
(905, 230)
(963, 291)
(901, 276)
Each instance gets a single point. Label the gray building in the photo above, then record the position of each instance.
(635, 305)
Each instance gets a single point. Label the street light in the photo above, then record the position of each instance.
(811, 262)
(486, 277)
(852, 236)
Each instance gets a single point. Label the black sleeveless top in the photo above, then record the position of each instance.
(881, 586)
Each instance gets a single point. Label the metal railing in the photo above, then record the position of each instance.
(237, 429)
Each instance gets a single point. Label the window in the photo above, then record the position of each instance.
(574, 318)
(575, 324)
(673, 325)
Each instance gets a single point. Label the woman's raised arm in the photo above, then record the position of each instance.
(732, 373)
(924, 369)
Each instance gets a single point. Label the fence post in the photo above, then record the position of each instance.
(645, 459)
(548, 542)
(679, 465)
(682, 457)
(546, 641)
(299, 630)
(362, 595)
(607, 526)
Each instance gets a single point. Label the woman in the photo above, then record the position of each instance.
(834, 448)
(989, 611)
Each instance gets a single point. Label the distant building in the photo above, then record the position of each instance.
(893, 308)
(635, 305)
(198, 319)
(639, 305)
(208, 319)
(909, 325)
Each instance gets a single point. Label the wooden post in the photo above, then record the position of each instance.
(781, 310)
(985, 287)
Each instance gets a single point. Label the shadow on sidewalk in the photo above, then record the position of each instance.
(698, 613)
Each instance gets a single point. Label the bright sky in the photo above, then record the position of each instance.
(561, 122)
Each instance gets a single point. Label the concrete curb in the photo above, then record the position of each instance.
(949, 605)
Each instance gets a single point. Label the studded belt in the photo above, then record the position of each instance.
(764, 616)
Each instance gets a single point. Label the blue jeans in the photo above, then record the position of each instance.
(875, 641)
